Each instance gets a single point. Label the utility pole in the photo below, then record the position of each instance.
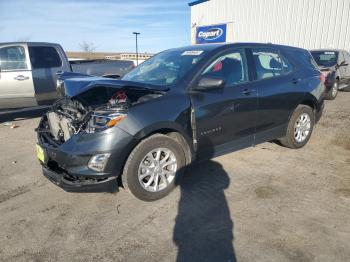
(137, 48)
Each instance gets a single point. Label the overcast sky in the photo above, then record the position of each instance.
(108, 24)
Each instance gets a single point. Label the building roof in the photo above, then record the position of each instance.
(197, 2)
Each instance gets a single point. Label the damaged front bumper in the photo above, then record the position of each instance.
(80, 184)
(66, 164)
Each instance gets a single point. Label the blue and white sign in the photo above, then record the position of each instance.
(211, 34)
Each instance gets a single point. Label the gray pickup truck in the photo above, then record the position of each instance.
(29, 71)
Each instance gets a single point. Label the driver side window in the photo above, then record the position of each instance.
(230, 67)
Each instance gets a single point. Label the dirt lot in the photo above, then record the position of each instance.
(266, 203)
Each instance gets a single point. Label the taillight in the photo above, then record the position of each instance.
(322, 77)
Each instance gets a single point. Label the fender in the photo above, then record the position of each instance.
(164, 127)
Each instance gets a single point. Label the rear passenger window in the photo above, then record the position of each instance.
(270, 64)
(13, 58)
(44, 57)
(312, 61)
(230, 67)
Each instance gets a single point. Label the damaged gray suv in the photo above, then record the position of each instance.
(184, 104)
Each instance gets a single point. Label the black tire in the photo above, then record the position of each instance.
(346, 89)
(289, 140)
(130, 179)
(333, 92)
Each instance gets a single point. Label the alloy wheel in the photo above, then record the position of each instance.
(335, 90)
(302, 128)
(157, 169)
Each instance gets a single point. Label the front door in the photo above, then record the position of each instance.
(225, 118)
(16, 82)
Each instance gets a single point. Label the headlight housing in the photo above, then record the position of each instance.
(98, 162)
(102, 121)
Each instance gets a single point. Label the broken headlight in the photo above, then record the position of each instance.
(100, 122)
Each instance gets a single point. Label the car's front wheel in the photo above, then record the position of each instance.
(152, 167)
(299, 128)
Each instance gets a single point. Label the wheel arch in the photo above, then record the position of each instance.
(171, 129)
(308, 100)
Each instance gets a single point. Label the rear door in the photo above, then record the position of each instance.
(46, 61)
(16, 82)
(279, 92)
(225, 118)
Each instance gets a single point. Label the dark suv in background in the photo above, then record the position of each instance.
(335, 64)
(184, 104)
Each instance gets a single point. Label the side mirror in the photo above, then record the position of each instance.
(210, 82)
(343, 64)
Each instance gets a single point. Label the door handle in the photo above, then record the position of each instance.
(21, 78)
(247, 91)
(295, 81)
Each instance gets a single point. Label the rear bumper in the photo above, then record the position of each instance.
(74, 184)
(328, 88)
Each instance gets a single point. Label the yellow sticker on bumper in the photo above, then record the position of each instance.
(40, 153)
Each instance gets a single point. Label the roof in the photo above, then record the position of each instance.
(217, 46)
(327, 50)
(197, 2)
(27, 43)
(202, 47)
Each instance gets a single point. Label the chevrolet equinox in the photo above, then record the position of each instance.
(184, 104)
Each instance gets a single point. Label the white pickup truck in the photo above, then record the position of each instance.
(29, 71)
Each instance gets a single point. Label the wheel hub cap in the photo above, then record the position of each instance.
(334, 90)
(302, 128)
(157, 169)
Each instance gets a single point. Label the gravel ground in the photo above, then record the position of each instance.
(266, 203)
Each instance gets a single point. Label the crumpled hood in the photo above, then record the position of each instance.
(76, 84)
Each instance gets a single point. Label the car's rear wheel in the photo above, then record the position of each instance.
(333, 92)
(299, 128)
(152, 167)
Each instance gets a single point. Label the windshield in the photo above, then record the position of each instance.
(166, 68)
(325, 58)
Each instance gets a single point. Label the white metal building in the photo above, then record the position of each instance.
(304, 23)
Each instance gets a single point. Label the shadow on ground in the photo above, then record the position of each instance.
(20, 114)
(203, 228)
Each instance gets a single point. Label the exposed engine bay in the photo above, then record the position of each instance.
(94, 110)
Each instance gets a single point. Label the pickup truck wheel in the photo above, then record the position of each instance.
(300, 127)
(152, 167)
(346, 89)
(333, 92)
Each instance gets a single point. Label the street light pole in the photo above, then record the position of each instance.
(137, 49)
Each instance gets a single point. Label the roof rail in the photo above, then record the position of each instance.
(197, 2)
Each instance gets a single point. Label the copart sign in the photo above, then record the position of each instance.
(211, 34)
